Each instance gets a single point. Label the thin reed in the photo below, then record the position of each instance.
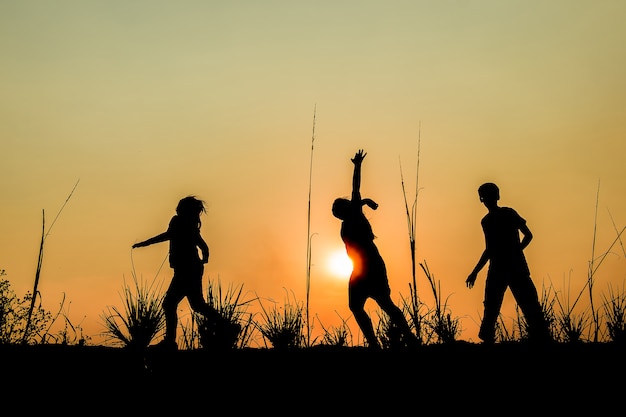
(411, 217)
(44, 235)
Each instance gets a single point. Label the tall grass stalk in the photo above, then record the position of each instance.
(309, 236)
(594, 265)
(568, 326)
(445, 327)
(37, 275)
(411, 217)
(44, 235)
(619, 234)
(590, 272)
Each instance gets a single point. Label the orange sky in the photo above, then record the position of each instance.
(146, 102)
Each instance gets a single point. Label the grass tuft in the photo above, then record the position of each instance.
(338, 336)
(615, 313)
(140, 320)
(283, 327)
(232, 327)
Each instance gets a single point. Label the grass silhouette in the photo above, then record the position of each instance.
(140, 321)
(283, 327)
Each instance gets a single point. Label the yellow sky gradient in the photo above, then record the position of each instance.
(145, 102)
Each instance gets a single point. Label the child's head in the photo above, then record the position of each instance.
(489, 192)
(341, 207)
(190, 206)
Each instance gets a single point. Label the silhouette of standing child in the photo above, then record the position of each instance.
(369, 275)
(507, 267)
(185, 243)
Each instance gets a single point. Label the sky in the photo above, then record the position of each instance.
(112, 111)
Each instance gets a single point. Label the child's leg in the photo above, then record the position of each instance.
(525, 294)
(397, 317)
(196, 299)
(494, 294)
(357, 307)
(173, 297)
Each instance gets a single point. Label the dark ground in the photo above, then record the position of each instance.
(509, 379)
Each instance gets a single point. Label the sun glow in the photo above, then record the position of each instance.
(339, 264)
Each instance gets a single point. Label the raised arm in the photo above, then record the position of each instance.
(356, 176)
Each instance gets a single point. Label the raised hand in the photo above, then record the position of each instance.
(359, 156)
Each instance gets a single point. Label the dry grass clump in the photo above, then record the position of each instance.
(141, 318)
(570, 326)
(232, 327)
(437, 324)
(442, 325)
(615, 313)
(338, 336)
(431, 325)
(283, 327)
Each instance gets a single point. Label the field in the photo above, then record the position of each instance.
(463, 377)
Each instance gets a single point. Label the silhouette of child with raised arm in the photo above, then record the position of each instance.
(507, 268)
(183, 234)
(369, 275)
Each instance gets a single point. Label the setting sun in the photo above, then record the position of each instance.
(339, 264)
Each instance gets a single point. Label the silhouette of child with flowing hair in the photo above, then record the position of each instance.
(183, 234)
(369, 275)
(507, 268)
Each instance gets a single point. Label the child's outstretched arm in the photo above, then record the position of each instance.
(156, 239)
